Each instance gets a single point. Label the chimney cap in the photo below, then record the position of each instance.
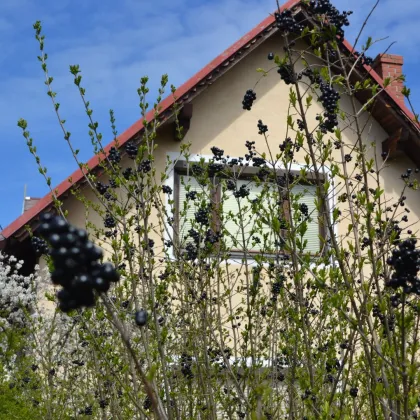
(389, 59)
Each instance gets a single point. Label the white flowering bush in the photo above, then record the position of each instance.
(17, 292)
(44, 352)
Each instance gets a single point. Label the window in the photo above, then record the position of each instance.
(244, 227)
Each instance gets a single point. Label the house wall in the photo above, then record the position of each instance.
(219, 120)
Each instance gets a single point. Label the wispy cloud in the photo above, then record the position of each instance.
(115, 44)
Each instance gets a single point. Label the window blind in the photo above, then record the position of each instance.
(186, 221)
(250, 220)
(308, 198)
(232, 222)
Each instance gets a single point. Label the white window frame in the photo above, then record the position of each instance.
(175, 158)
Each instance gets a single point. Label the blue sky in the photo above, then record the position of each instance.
(115, 44)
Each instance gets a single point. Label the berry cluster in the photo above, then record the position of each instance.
(202, 216)
(216, 356)
(304, 209)
(114, 155)
(249, 99)
(145, 166)
(109, 221)
(329, 99)
(39, 245)
(332, 55)
(191, 252)
(285, 21)
(242, 192)
(102, 188)
(76, 265)
(405, 260)
(395, 300)
(186, 363)
(217, 153)
(103, 404)
(407, 175)
(231, 185)
(235, 162)
(166, 189)
(332, 365)
(287, 177)
(287, 74)
(87, 411)
(257, 162)
(127, 173)
(213, 169)
(331, 14)
(131, 150)
(354, 391)
(391, 323)
(377, 313)
(262, 129)
(366, 242)
(276, 288)
(300, 124)
(148, 245)
(312, 75)
(363, 59)
(197, 170)
(307, 394)
(147, 404)
(345, 345)
(382, 318)
(263, 173)
(289, 147)
(250, 145)
(212, 237)
(191, 195)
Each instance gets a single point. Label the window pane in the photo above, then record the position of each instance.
(312, 234)
(261, 220)
(185, 222)
(250, 220)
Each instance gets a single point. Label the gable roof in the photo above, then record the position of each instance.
(184, 94)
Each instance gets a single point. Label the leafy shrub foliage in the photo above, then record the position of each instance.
(282, 283)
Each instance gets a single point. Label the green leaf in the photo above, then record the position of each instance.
(406, 92)
(387, 81)
(264, 72)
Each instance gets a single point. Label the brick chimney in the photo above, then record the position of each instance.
(390, 65)
(29, 202)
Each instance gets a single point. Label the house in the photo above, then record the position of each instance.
(212, 118)
(211, 115)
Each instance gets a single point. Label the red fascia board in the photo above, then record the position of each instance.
(46, 201)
